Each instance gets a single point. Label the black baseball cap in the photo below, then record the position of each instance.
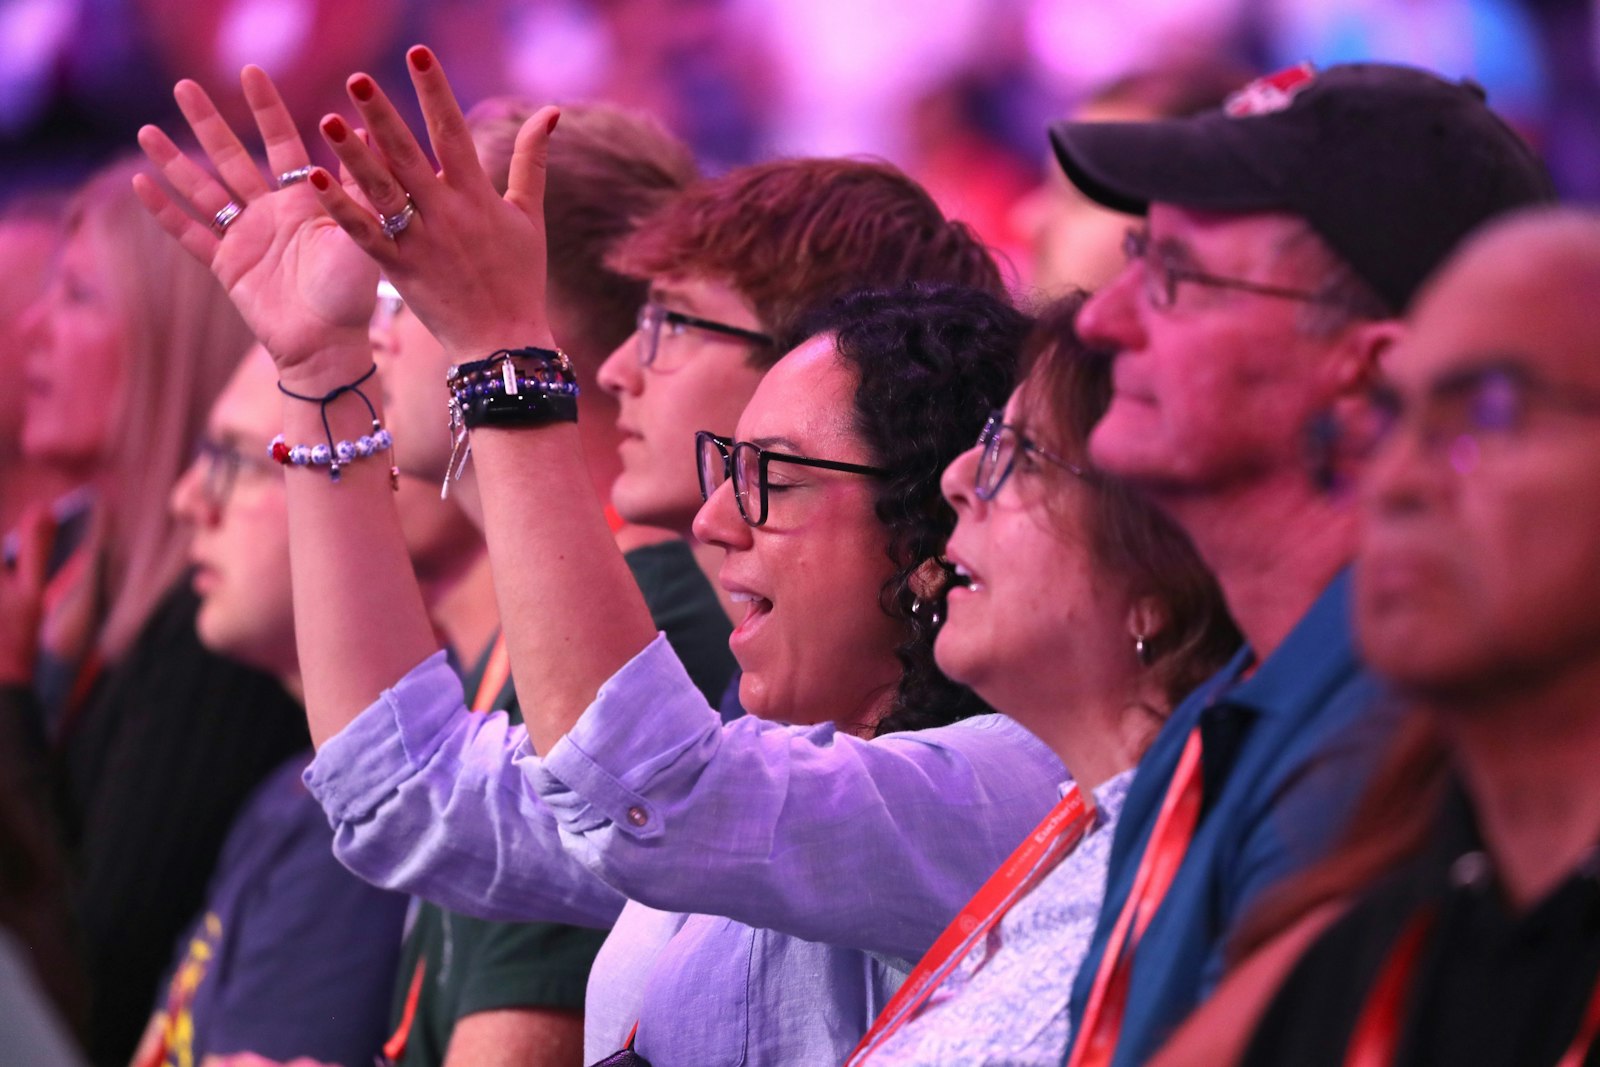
(1391, 165)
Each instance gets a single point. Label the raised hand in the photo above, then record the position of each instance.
(468, 262)
(303, 287)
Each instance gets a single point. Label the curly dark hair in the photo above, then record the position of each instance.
(931, 361)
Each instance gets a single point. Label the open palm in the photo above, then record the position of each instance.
(301, 284)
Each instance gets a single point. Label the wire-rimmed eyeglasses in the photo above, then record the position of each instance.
(1463, 413)
(655, 320)
(219, 465)
(1000, 442)
(1161, 275)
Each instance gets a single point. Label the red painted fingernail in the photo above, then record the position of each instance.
(319, 178)
(552, 127)
(335, 128)
(420, 58)
(362, 88)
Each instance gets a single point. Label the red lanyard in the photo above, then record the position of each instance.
(1376, 1036)
(395, 1047)
(495, 673)
(1101, 1024)
(1039, 854)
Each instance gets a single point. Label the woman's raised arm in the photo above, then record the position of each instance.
(308, 292)
(471, 265)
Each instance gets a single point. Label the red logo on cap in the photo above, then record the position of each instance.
(1271, 93)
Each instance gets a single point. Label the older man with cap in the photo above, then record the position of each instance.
(1284, 233)
(1465, 906)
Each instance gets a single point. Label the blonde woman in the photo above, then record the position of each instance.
(156, 741)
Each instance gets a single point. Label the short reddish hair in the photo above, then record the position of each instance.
(793, 235)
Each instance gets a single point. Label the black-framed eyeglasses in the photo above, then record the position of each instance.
(219, 469)
(1001, 442)
(1161, 275)
(719, 458)
(655, 320)
(1464, 411)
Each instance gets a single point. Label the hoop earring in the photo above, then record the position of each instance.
(1141, 650)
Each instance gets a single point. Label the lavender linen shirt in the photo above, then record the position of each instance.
(779, 877)
(1006, 1003)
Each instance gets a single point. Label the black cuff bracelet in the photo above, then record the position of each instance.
(514, 387)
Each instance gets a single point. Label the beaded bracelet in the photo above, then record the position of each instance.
(335, 455)
(341, 454)
(512, 387)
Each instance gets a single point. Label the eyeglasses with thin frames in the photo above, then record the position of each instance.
(219, 469)
(1001, 442)
(1465, 412)
(1162, 274)
(719, 458)
(654, 321)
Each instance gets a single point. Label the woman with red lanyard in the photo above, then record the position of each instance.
(1028, 504)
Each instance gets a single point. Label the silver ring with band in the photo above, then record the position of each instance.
(291, 177)
(394, 224)
(225, 218)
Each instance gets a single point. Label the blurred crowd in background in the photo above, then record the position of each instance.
(953, 91)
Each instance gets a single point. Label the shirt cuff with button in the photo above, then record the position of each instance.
(427, 797)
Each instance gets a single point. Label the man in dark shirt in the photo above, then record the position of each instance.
(1478, 574)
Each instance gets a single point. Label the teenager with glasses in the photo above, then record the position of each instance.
(287, 954)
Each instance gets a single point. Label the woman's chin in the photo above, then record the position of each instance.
(955, 658)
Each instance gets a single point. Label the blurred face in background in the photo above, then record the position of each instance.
(232, 496)
(1074, 242)
(24, 271)
(411, 372)
(76, 367)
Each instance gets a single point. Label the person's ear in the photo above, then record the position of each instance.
(1363, 349)
(930, 579)
(1147, 618)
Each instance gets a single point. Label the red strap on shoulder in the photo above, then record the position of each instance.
(1101, 1024)
(1040, 852)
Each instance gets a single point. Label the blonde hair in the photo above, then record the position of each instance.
(183, 339)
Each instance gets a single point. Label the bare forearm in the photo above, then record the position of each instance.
(360, 622)
(568, 603)
(517, 1037)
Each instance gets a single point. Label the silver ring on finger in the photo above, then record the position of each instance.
(394, 224)
(225, 218)
(291, 177)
